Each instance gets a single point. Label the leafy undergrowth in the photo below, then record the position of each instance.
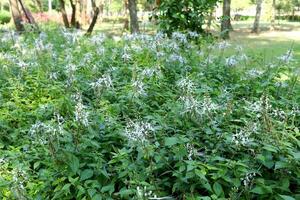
(145, 117)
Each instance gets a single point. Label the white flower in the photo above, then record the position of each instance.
(126, 56)
(98, 39)
(243, 57)
(186, 84)
(190, 105)
(22, 64)
(53, 76)
(208, 106)
(104, 81)
(209, 60)
(231, 61)
(278, 113)
(192, 151)
(287, 57)
(81, 115)
(138, 131)
(248, 179)
(139, 88)
(179, 37)
(223, 45)
(239, 48)
(193, 34)
(176, 58)
(195, 107)
(254, 73)
(243, 137)
(71, 68)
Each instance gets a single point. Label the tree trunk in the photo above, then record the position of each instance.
(126, 22)
(273, 19)
(16, 14)
(73, 16)
(49, 6)
(64, 13)
(94, 20)
(210, 18)
(84, 12)
(134, 23)
(255, 28)
(39, 5)
(226, 22)
(28, 14)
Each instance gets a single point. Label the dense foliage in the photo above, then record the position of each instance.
(4, 17)
(142, 117)
(173, 15)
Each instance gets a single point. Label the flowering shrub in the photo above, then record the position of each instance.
(145, 117)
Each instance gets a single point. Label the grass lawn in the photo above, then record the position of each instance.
(268, 43)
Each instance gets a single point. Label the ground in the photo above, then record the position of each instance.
(270, 43)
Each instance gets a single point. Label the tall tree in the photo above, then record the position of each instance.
(64, 13)
(255, 28)
(73, 16)
(16, 14)
(49, 6)
(39, 5)
(273, 15)
(226, 21)
(84, 12)
(134, 23)
(27, 14)
(96, 11)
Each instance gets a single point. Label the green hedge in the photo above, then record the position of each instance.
(290, 18)
(243, 17)
(4, 17)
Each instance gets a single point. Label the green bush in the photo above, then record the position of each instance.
(145, 116)
(243, 18)
(114, 19)
(173, 15)
(291, 18)
(5, 17)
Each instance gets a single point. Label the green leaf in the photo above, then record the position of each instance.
(108, 188)
(281, 164)
(296, 155)
(217, 187)
(97, 197)
(86, 174)
(66, 188)
(285, 197)
(91, 192)
(74, 163)
(259, 189)
(170, 141)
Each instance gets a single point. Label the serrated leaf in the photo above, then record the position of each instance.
(73, 163)
(217, 187)
(86, 174)
(285, 197)
(91, 192)
(170, 141)
(108, 188)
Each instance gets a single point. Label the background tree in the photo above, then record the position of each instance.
(64, 13)
(273, 17)
(96, 10)
(255, 28)
(226, 19)
(185, 15)
(16, 14)
(134, 23)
